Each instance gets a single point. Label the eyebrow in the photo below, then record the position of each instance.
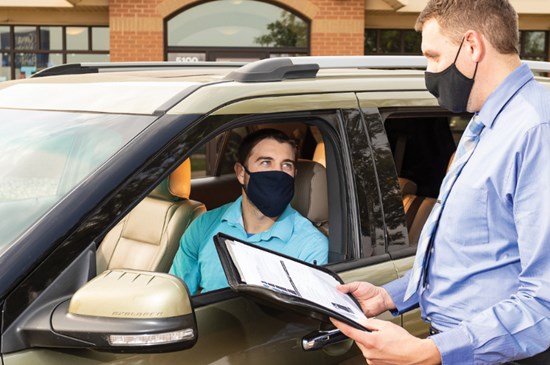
(264, 158)
(271, 159)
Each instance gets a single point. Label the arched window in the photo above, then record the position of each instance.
(235, 30)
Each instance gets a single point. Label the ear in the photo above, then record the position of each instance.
(239, 172)
(475, 45)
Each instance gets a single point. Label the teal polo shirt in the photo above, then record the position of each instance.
(197, 262)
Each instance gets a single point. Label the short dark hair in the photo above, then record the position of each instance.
(250, 141)
(495, 19)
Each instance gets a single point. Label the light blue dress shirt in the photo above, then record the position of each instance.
(197, 262)
(488, 281)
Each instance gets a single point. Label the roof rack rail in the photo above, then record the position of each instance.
(278, 69)
(96, 67)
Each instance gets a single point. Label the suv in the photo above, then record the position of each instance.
(105, 165)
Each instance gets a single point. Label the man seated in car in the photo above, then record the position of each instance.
(262, 215)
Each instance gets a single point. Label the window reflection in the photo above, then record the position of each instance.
(392, 41)
(51, 38)
(237, 23)
(534, 45)
(25, 38)
(4, 37)
(100, 38)
(77, 38)
(5, 70)
(37, 47)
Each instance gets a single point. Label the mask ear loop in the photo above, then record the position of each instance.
(459, 49)
(248, 172)
(456, 57)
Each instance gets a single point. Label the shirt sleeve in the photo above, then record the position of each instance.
(317, 249)
(396, 289)
(519, 326)
(186, 264)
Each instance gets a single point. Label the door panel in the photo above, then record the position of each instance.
(235, 331)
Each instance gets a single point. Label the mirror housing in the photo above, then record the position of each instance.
(126, 311)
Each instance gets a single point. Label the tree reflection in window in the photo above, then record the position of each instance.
(288, 31)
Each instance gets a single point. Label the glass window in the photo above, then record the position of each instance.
(43, 155)
(4, 37)
(25, 38)
(51, 38)
(36, 48)
(390, 41)
(237, 23)
(534, 45)
(87, 57)
(370, 41)
(77, 38)
(100, 38)
(412, 41)
(5, 70)
(26, 64)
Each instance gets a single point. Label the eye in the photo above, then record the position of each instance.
(265, 163)
(288, 166)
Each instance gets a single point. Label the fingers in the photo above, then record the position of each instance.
(347, 330)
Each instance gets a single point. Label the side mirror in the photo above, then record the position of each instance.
(127, 311)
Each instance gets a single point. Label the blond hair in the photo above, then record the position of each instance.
(497, 20)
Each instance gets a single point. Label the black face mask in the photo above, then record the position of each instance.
(451, 88)
(270, 191)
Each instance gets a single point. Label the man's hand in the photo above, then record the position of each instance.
(389, 344)
(373, 299)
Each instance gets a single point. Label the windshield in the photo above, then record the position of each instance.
(43, 155)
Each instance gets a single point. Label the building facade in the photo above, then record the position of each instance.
(35, 34)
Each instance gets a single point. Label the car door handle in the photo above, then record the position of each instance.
(318, 339)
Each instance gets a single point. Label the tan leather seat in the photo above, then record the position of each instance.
(311, 194)
(407, 186)
(148, 237)
(417, 210)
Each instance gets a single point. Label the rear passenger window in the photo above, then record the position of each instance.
(422, 148)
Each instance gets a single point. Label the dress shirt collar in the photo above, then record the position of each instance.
(282, 228)
(503, 93)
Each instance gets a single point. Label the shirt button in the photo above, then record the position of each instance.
(429, 319)
(432, 250)
(427, 286)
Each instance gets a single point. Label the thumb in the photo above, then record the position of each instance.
(348, 288)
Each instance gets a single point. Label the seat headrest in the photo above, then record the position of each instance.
(311, 194)
(177, 185)
(319, 154)
(407, 186)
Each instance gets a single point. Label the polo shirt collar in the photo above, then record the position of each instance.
(283, 228)
(503, 93)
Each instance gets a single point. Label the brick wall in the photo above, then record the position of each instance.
(136, 26)
(338, 28)
(136, 31)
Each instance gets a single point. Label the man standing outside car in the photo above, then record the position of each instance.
(263, 216)
(482, 269)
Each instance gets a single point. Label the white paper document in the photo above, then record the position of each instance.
(261, 268)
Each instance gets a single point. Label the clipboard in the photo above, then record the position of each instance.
(285, 282)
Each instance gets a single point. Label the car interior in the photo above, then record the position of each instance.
(148, 237)
(423, 149)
